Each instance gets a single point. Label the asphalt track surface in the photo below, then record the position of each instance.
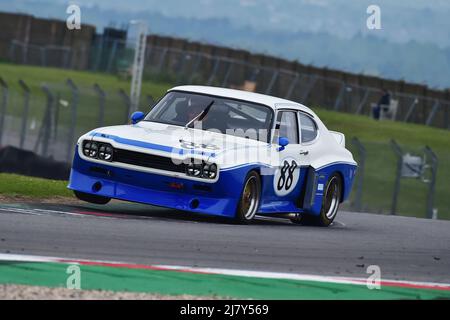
(404, 248)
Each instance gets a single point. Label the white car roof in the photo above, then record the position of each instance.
(270, 101)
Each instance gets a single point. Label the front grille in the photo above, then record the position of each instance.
(147, 160)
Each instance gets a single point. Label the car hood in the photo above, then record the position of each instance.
(158, 137)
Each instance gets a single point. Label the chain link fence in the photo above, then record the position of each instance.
(50, 120)
(185, 67)
(180, 66)
(382, 186)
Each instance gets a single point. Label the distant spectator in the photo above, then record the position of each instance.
(384, 102)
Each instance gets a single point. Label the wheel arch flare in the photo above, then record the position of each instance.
(317, 180)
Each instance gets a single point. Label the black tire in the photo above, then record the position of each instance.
(250, 198)
(330, 205)
(91, 198)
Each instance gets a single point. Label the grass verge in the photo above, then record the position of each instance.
(16, 185)
(381, 162)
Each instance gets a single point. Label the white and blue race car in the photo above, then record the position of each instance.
(220, 152)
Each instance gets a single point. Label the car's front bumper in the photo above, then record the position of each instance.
(220, 198)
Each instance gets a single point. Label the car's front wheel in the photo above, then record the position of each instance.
(330, 205)
(250, 198)
(91, 198)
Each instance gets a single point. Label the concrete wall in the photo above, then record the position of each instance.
(54, 35)
(44, 32)
(327, 87)
(273, 62)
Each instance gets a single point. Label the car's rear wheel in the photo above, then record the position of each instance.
(250, 198)
(91, 198)
(330, 205)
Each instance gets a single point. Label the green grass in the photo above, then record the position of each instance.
(381, 162)
(88, 106)
(36, 76)
(16, 185)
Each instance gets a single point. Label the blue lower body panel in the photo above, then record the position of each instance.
(220, 198)
(176, 200)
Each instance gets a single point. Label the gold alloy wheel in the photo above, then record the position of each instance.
(250, 198)
(332, 195)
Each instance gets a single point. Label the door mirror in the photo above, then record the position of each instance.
(137, 116)
(282, 142)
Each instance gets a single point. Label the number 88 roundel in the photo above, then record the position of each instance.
(286, 177)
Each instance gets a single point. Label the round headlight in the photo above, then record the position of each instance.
(93, 151)
(194, 169)
(210, 171)
(105, 152)
(87, 149)
(108, 153)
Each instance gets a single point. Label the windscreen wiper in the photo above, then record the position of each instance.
(201, 115)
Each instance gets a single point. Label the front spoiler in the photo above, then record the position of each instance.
(125, 184)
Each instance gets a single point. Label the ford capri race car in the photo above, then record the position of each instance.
(219, 152)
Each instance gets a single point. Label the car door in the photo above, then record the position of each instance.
(288, 174)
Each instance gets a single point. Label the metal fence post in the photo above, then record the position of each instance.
(73, 119)
(112, 56)
(3, 107)
(360, 172)
(56, 117)
(127, 102)
(272, 81)
(292, 86)
(363, 101)
(432, 187)
(214, 72)
(46, 127)
(338, 100)
(161, 60)
(411, 108)
(99, 48)
(311, 85)
(227, 75)
(179, 68)
(435, 108)
(195, 68)
(26, 107)
(398, 151)
(447, 118)
(101, 104)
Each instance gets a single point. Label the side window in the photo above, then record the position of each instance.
(288, 126)
(308, 128)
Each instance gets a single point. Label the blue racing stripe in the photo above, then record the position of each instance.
(153, 146)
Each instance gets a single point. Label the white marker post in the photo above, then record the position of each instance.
(138, 64)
